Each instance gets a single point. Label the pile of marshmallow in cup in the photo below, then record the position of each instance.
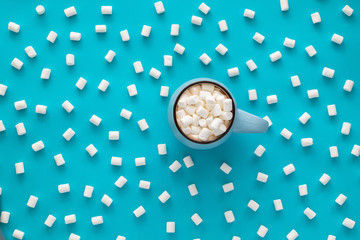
(114, 135)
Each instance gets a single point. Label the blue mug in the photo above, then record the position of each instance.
(242, 122)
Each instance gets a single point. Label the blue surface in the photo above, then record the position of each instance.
(42, 176)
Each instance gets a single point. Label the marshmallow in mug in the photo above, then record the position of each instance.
(204, 112)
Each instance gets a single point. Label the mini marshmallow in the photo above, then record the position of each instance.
(143, 125)
(100, 28)
(125, 114)
(258, 38)
(262, 231)
(40, 109)
(233, 72)
(144, 184)
(290, 43)
(164, 91)
(309, 213)
(70, 219)
(52, 36)
(345, 129)
(80, 84)
(132, 90)
(3, 89)
(14, 27)
(103, 85)
(341, 199)
(106, 10)
(20, 129)
(334, 152)
(68, 134)
(249, 13)
(223, 26)
(259, 151)
(331, 237)
(253, 205)
(32, 201)
(295, 81)
(196, 219)
(19, 168)
(97, 220)
(251, 65)
(120, 238)
(174, 31)
(125, 35)
(110, 56)
(155, 73)
(140, 161)
(304, 118)
(175, 166)
(30, 51)
(188, 161)
(204, 8)
(305, 142)
(331, 110)
(64, 188)
(221, 49)
(91, 150)
(313, 93)
(116, 161)
(193, 190)
(310, 50)
(16, 63)
(5, 216)
(275, 56)
(315, 17)
(75, 36)
(168, 60)
(347, 10)
(336, 38)
(121, 181)
(45, 73)
(328, 72)
(106, 200)
(324, 179)
(71, 11)
(88, 191)
(268, 120)
(204, 134)
(262, 177)
(292, 235)
(50, 220)
(303, 190)
(348, 86)
(70, 59)
(289, 169)
(74, 237)
(349, 223)
(95, 120)
(139, 211)
(271, 99)
(356, 150)
(59, 160)
(284, 5)
(170, 227)
(138, 67)
(205, 58)
(162, 149)
(159, 7)
(164, 197)
(114, 135)
(278, 205)
(146, 31)
(39, 145)
(20, 105)
(196, 20)
(252, 95)
(179, 49)
(18, 234)
(286, 133)
(229, 216)
(228, 187)
(225, 168)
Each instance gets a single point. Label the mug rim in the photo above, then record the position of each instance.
(221, 86)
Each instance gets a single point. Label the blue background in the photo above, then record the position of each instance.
(42, 176)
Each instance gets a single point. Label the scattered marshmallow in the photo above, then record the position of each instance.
(175, 28)
(233, 72)
(91, 150)
(95, 120)
(106, 200)
(3, 89)
(125, 35)
(50, 220)
(16, 63)
(324, 179)
(162, 149)
(229, 216)
(305, 142)
(271, 99)
(193, 190)
(125, 114)
(155, 73)
(313, 93)
(159, 7)
(88, 191)
(249, 13)
(253, 205)
(252, 95)
(179, 49)
(168, 60)
(258, 38)
(73, 236)
(348, 86)
(289, 169)
(328, 72)
(204, 8)
(141, 161)
(32, 201)
(349, 223)
(356, 150)
(309, 213)
(347, 10)
(268, 120)
(103, 85)
(5, 216)
(290, 43)
(334, 152)
(45, 73)
(336, 38)
(59, 160)
(310, 50)
(175, 166)
(106, 10)
(80, 84)
(278, 205)
(251, 65)
(39, 145)
(121, 181)
(146, 30)
(188, 161)
(341, 199)
(164, 91)
(110, 56)
(20, 129)
(303, 191)
(170, 227)
(331, 110)
(30, 51)
(18, 234)
(143, 125)
(52, 36)
(14, 27)
(69, 12)
(132, 90)
(223, 26)
(70, 59)
(259, 151)
(75, 36)
(196, 219)
(205, 58)
(196, 20)
(221, 49)
(19, 168)
(100, 28)
(225, 168)
(116, 161)
(139, 211)
(164, 197)
(345, 130)
(114, 135)
(97, 220)
(70, 219)
(144, 184)
(68, 134)
(20, 105)
(275, 56)
(331, 237)
(295, 81)
(304, 118)
(262, 231)
(315, 17)
(228, 187)
(64, 188)
(284, 5)
(262, 177)
(292, 235)
(286, 133)
(138, 67)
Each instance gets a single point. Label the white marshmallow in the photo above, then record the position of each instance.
(30, 51)
(146, 30)
(252, 95)
(68, 134)
(289, 169)
(290, 43)
(268, 120)
(32, 201)
(59, 160)
(204, 8)
(259, 151)
(138, 67)
(164, 197)
(74, 237)
(286, 133)
(347, 10)
(221, 49)
(304, 118)
(71, 11)
(336, 38)
(141, 161)
(120, 238)
(188, 161)
(324, 179)
(349, 223)
(18, 234)
(196, 20)
(3, 89)
(315, 17)
(5, 216)
(70, 219)
(106, 10)
(20, 129)
(174, 31)
(284, 5)
(271, 99)
(19, 168)
(16, 63)
(139, 211)
(334, 152)
(168, 60)
(170, 227)
(331, 110)
(249, 13)
(97, 220)
(70, 59)
(52, 36)
(196, 219)
(348, 86)
(132, 90)
(155, 73)
(303, 190)
(328, 72)
(179, 49)
(88, 191)
(193, 190)
(229, 216)
(143, 125)
(91, 150)
(144, 184)
(125, 114)
(292, 235)
(278, 205)
(45, 73)
(125, 35)
(305, 142)
(258, 38)
(50, 220)
(275, 56)
(80, 84)
(20, 105)
(341, 199)
(103, 85)
(253, 205)
(100, 28)
(232, 72)
(75, 36)
(204, 134)
(162, 149)
(345, 129)
(175, 166)
(14, 27)
(225, 168)
(164, 91)
(64, 188)
(95, 120)
(251, 65)
(262, 177)
(310, 50)
(223, 26)
(122, 181)
(356, 150)
(106, 200)
(313, 93)
(331, 237)
(116, 161)
(309, 213)
(262, 231)
(228, 187)
(159, 7)
(114, 135)
(109, 57)
(205, 59)
(295, 81)
(39, 145)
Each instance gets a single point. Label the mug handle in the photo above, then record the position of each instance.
(248, 123)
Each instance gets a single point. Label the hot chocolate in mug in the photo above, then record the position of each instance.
(209, 115)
